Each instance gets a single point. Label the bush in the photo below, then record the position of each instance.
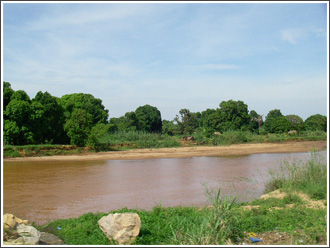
(98, 131)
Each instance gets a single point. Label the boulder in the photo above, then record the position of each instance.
(49, 239)
(18, 232)
(10, 221)
(121, 227)
(29, 235)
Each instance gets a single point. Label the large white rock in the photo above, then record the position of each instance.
(28, 234)
(122, 227)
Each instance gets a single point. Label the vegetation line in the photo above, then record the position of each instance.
(81, 119)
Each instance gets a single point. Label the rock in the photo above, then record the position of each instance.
(50, 239)
(122, 227)
(188, 138)
(10, 221)
(18, 232)
(29, 234)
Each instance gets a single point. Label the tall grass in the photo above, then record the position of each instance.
(138, 139)
(308, 176)
(237, 137)
(219, 226)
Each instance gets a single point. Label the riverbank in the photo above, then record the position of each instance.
(189, 151)
(293, 212)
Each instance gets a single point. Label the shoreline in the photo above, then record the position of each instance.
(187, 152)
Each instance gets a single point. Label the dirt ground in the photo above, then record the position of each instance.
(193, 151)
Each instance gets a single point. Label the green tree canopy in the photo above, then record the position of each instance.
(18, 111)
(49, 119)
(255, 121)
(20, 95)
(276, 123)
(316, 122)
(273, 113)
(234, 115)
(87, 102)
(79, 126)
(7, 93)
(148, 119)
(297, 122)
(169, 128)
(187, 121)
(208, 121)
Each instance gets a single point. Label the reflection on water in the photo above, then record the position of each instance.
(43, 191)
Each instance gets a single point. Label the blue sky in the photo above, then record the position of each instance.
(171, 55)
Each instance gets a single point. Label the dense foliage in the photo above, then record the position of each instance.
(81, 119)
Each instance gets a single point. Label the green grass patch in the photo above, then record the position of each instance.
(137, 140)
(308, 176)
(38, 150)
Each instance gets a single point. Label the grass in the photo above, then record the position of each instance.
(308, 176)
(225, 222)
(137, 140)
(39, 150)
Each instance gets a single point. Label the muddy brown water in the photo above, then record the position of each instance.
(43, 191)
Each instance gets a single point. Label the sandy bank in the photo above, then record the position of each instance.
(195, 151)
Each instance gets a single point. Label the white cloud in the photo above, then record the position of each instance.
(290, 35)
(293, 35)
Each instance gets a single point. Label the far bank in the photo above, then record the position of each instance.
(189, 151)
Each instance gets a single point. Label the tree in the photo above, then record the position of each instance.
(76, 107)
(20, 95)
(79, 126)
(18, 111)
(255, 121)
(17, 129)
(130, 121)
(48, 119)
(17, 115)
(207, 122)
(297, 122)
(148, 119)
(87, 102)
(187, 122)
(273, 113)
(276, 123)
(316, 122)
(7, 93)
(234, 115)
(169, 128)
(14, 134)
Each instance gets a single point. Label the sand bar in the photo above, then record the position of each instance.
(184, 152)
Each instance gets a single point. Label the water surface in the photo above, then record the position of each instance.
(43, 191)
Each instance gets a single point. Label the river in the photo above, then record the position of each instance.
(43, 191)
